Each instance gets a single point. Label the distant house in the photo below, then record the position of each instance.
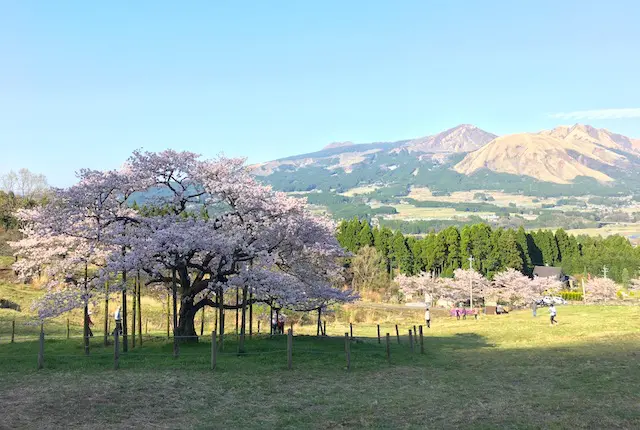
(555, 273)
(548, 272)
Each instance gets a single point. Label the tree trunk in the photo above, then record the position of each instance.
(319, 322)
(186, 327)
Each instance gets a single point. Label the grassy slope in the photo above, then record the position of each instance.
(507, 371)
(511, 371)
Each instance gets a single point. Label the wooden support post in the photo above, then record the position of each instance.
(324, 327)
(251, 315)
(258, 326)
(415, 334)
(290, 349)
(237, 310)
(68, 329)
(411, 340)
(134, 313)
(388, 349)
(139, 300)
(291, 326)
(41, 349)
(202, 323)
(168, 314)
(397, 334)
(13, 331)
(214, 350)
(106, 317)
(347, 350)
(421, 341)
(351, 330)
(378, 333)
(116, 350)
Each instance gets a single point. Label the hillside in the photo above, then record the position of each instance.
(559, 155)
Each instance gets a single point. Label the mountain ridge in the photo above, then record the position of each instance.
(562, 155)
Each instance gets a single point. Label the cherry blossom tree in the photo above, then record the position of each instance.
(426, 284)
(204, 227)
(599, 290)
(514, 287)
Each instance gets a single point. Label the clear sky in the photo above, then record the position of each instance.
(83, 83)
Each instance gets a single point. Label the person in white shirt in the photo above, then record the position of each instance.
(553, 313)
(427, 317)
(118, 317)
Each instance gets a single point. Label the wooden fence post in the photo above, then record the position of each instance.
(378, 333)
(324, 327)
(347, 350)
(116, 350)
(397, 334)
(388, 349)
(351, 330)
(415, 334)
(291, 326)
(13, 330)
(41, 349)
(214, 350)
(258, 326)
(68, 329)
(421, 341)
(411, 340)
(290, 349)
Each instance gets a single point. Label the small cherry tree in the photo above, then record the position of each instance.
(600, 290)
(514, 287)
(430, 287)
(467, 283)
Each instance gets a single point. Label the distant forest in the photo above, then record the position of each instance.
(493, 250)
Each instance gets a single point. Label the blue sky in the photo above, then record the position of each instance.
(82, 83)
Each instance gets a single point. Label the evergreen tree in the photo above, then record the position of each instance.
(523, 248)
(401, 258)
(365, 237)
(452, 244)
(510, 254)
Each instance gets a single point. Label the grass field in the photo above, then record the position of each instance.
(509, 371)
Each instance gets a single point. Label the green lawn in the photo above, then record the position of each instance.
(500, 371)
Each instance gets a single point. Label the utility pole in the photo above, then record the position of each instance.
(605, 269)
(471, 283)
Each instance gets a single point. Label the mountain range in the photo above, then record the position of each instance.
(466, 156)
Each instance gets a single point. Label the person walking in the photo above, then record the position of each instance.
(427, 317)
(118, 317)
(458, 313)
(89, 323)
(534, 309)
(553, 313)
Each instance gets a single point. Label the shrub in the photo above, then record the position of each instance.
(571, 295)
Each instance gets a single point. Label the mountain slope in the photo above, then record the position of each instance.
(559, 155)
